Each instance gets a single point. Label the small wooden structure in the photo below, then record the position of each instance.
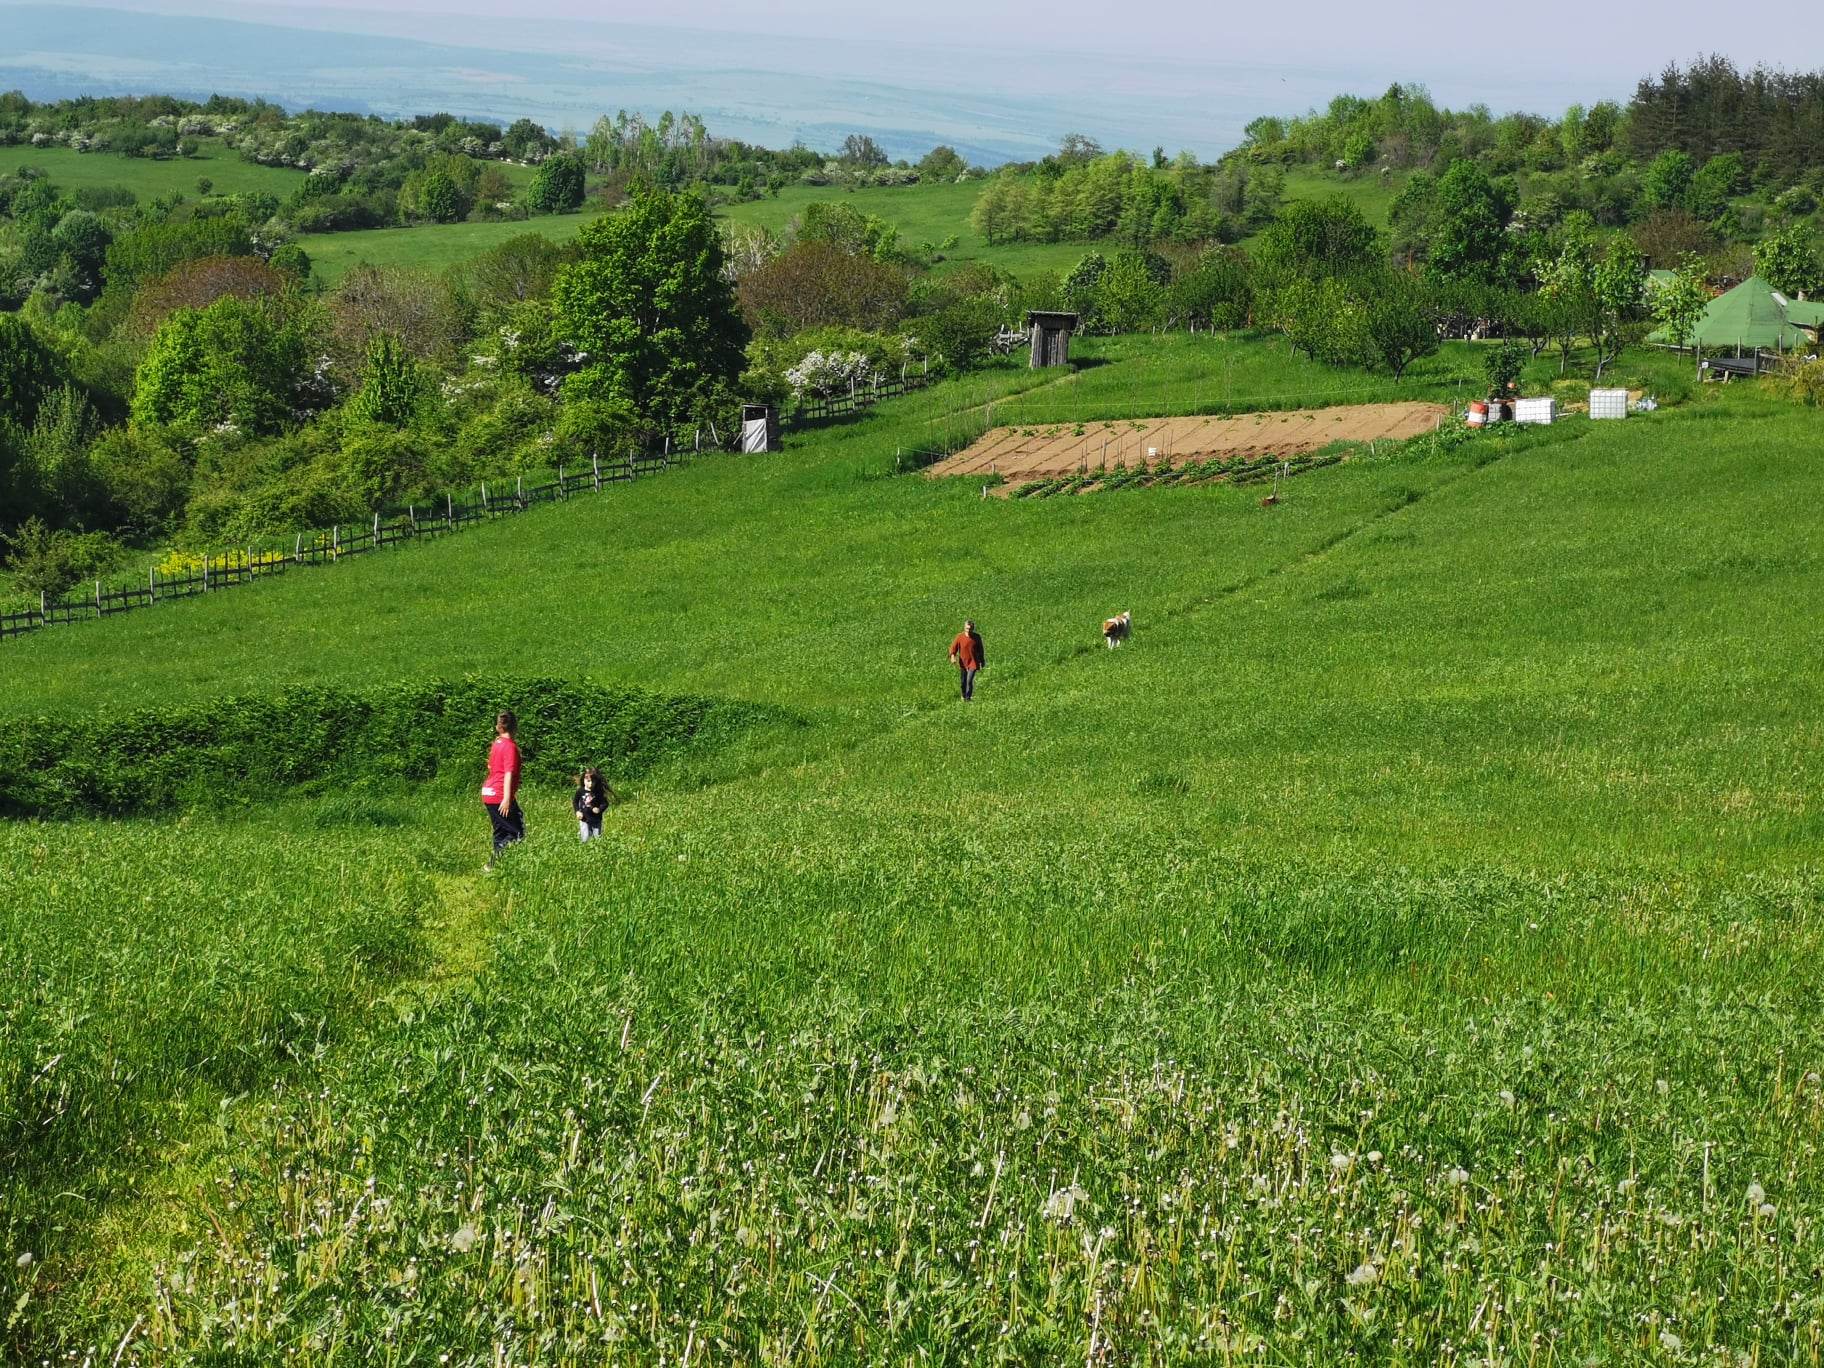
(1050, 337)
(759, 427)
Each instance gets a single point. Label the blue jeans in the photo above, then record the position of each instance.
(968, 674)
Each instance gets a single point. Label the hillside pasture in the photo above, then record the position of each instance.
(1401, 951)
(149, 178)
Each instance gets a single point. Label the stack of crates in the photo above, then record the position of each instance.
(1535, 410)
(1608, 403)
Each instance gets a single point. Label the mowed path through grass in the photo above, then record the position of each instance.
(1425, 898)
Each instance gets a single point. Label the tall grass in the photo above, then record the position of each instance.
(1401, 951)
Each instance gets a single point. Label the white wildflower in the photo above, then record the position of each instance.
(1457, 1177)
(1363, 1275)
(1670, 1342)
(1756, 1194)
(1339, 1162)
(1061, 1206)
(464, 1238)
(24, 1260)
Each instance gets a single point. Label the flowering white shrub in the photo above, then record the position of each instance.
(827, 373)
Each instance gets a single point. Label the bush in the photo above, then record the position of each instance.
(1803, 383)
(145, 480)
(235, 750)
(557, 186)
(48, 560)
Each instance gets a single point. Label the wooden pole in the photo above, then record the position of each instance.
(595, 468)
(449, 511)
(152, 583)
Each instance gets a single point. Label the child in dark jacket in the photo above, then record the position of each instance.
(591, 801)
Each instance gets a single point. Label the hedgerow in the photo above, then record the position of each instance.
(239, 750)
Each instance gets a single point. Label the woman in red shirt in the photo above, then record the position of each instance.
(968, 655)
(500, 791)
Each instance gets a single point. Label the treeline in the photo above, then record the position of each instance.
(172, 376)
(1774, 120)
(1082, 194)
(365, 171)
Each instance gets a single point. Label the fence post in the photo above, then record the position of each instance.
(297, 550)
(44, 617)
(595, 465)
(484, 498)
(562, 493)
(335, 541)
(449, 511)
(519, 491)
(376, 531)
(97, 596)
(205, 572)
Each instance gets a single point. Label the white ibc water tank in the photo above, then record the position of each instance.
(1608, 403)
(1535, 410)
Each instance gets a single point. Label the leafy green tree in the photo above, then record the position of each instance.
(1399, 319)
(439, 198)
(847, 229)
(941, 163)
(557, 185)
(1503, 365)
(394, 387)
(648, 307)
(1469, 239)
(1788, 261)
(1680, 302)
(1326, 237)
(29, 370)
(239, 362)
(291, 260)
(858, 149)
(1667, 182)
(1719, 179)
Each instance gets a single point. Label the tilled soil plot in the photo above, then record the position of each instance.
(1068, 448)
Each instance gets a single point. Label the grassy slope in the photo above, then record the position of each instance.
(147, 178)
(427, 247)
(1436, 813)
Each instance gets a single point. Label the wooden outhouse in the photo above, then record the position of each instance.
(1050, 337)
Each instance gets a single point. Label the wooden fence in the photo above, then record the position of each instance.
(816, 408)
(413, 523)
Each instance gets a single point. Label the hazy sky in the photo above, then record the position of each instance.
(1549, 35)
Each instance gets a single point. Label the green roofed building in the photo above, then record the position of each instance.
(1753, 317)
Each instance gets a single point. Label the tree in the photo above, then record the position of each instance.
(648, 306)
(1469, 238)
(519, 269)
(1788, 261)
(1667, 182)
(1620, 284)
(237, 362)
(1399, 319)
(859, 150)
(1680, 302)
(198, 284)
(393, 388)
(1318, 237)
(1667, 236)
(1130, 296)
(557, 185)
(29, 370)
(420, 310)
(942, 163)
(439, 199)
(1719, 179)
(847, 229)
(814, 284)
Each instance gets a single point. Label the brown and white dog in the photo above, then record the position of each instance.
(1116, 629)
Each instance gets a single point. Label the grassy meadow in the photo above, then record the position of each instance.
(1402, 951)
(149, 178)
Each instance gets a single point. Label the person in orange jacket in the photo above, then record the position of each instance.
(968, 655)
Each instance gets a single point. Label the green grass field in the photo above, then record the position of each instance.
(148, 178)
(426, 247)
(1402, 951)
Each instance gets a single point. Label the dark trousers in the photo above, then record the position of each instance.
(968, 675)
(509, 826)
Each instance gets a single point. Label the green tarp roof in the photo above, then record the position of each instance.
(1750, 315)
